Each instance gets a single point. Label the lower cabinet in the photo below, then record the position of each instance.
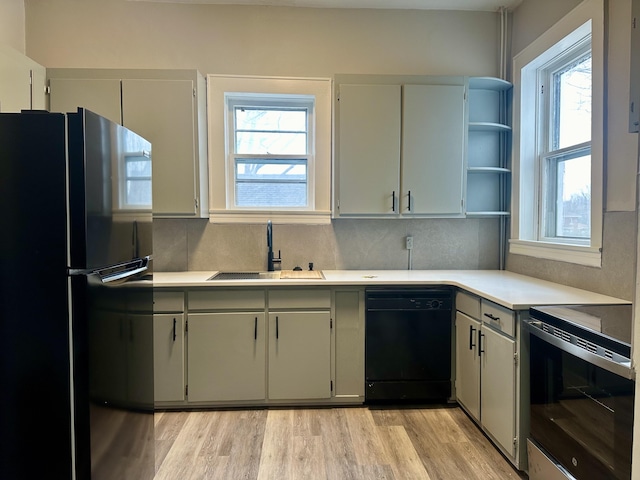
(168, 354)
(486, 369)
(250, 346)
(299, 355)
(226, 356)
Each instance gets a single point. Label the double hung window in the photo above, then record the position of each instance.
(269, 151)
(559, 140)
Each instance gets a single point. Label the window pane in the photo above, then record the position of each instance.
(138, 192)
(261, 131)
(268, 119)
(572, 104)
(570, 196)
(271, 183)
(269, 143)
(138, 167)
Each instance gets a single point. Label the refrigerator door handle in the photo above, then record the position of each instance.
(114, 273)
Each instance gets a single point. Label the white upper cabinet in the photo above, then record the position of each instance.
(22, 82)
(433, 138)
(369, 149)
(400, 146)
(167, 107)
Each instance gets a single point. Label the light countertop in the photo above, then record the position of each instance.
(511, 290)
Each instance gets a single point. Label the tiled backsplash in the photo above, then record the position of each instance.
(344, 244)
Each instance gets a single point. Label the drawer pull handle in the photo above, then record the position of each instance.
(471, 330)
(492, 317)
(174, 329)
(277, 328)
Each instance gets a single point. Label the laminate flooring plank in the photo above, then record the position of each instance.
(180, 461)
(167, 428)
(367, 442)
(277, 448)
(340, 457)
(405, 461)
(246, 448)
(308, 462)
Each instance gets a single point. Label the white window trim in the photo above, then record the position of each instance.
(233, 99)
(320, 88)
(589, 15)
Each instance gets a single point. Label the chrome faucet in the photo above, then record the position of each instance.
(272, 261)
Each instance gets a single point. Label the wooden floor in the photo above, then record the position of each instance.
(325, 443)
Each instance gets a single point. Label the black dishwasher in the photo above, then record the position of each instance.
(408, 335)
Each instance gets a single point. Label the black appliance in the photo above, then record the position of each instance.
(76, 363)
(408, 335)
(581, 392)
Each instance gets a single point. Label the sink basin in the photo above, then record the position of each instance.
(244, 276)
(284, 274)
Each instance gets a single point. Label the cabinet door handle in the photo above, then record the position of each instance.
(255, 328)
(277, 329)
(174, 329)
(491, 317)
(480, 350)
(393, 201)
(409, 203)
(471, 330)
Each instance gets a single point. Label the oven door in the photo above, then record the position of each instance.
(581, 411)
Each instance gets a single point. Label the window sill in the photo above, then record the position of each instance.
(588, 256)
(300, 218)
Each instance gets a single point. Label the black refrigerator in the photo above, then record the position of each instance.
(76, 370)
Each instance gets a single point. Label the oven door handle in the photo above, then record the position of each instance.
(617, 368)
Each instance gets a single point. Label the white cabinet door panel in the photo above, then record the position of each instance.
(299, 355)
(162, 111)
(168, 355)
(369, 149)
(498, 376)
(468, 364)
(433, 131)
(101, 96)
(226, 356)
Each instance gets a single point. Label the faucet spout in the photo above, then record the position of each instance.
(269, 246)
(271, 260)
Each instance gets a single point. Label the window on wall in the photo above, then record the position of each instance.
(270, 144)
(269, 149)
(558, 148)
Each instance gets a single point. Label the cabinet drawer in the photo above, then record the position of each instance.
(168, 301)
(239, 299)
(299, 298)
(468, 304)
(499, 317)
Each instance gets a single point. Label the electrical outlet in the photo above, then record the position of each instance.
(409, 242)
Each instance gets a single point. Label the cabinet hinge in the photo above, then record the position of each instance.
(186, 326)
(515, 358)
(47, 90)
(195, 201)
(515, 442)
(633, 22)
(331, 323)
(194, 93)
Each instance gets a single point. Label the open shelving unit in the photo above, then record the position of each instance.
(489, 147)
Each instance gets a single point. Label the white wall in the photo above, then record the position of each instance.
(616, 277)
(12, 31)
(260, 40)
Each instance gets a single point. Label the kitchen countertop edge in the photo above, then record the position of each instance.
(511, 290)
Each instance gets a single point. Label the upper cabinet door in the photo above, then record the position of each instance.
(162, 111)
(433, 139)
(21, 82)
(368, 150)
(101, 96)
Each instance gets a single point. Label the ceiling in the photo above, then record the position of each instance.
(476, 5)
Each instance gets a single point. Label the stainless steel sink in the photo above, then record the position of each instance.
(245, 276)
